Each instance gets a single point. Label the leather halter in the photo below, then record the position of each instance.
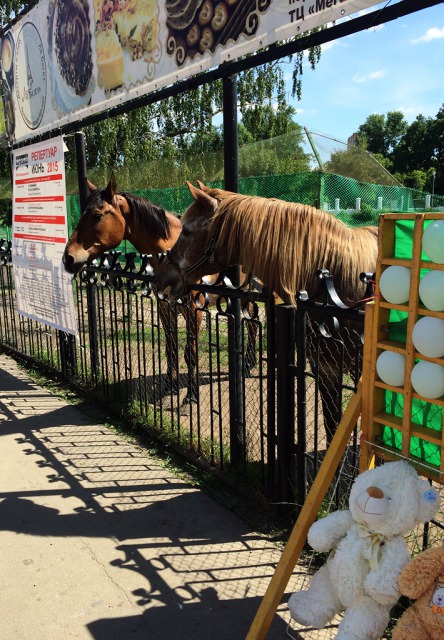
(207, 256)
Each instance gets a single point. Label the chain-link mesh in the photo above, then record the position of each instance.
(353, 202)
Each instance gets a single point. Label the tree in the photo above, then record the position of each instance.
(181, 131)
(9, 9)
(381, 134)
(422, 149)
(357, 163)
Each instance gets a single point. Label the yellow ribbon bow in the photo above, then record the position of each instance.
(372, 543)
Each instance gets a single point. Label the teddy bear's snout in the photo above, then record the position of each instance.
(373, 504)
(375, 492)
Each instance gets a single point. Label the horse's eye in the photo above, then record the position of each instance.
(186, 231)
(97, 216)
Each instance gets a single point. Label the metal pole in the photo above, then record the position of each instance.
(285, 340)
(79, 138)
(433, 187)
(237, 426)
(301, 400)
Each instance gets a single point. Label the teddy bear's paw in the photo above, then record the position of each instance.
(308, 611)
(383, 592)
(364, 620)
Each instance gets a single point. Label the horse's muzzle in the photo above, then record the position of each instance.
(71, 266)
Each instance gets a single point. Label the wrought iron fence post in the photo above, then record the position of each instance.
(285, 339)
(67, 341)
(67, 354)
(271, 393)
(301, 402)
(237, 436)
(79, 139)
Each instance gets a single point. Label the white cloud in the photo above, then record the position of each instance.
(434, 33)
(373, 75)
(329, 45)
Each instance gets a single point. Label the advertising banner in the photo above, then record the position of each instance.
(68, 59)
(39, 235)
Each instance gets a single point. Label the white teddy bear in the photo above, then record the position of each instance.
(368, 552)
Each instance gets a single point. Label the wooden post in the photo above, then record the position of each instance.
(309, 511)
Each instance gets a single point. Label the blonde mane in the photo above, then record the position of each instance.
(285, 243)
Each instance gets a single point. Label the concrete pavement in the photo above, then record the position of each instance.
(100, 541)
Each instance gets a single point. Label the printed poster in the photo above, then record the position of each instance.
(39, 235)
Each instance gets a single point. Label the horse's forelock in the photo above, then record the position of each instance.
(95, 200)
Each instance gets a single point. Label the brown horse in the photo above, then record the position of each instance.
(108, 218)
(283, 244)
(111, 216)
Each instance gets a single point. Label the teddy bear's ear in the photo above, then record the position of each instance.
(422, 572)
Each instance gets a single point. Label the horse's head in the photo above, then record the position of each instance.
(101, 227)
(194, 253)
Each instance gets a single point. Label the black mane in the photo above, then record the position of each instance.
(149, 215)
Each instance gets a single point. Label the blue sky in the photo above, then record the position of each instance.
(396, 67)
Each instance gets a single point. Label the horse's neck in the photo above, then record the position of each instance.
(146, 242)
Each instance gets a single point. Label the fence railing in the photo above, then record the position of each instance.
(233, 380)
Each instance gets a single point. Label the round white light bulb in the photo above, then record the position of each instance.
(428, 379)
(428, 337)
(390, 368)
(433, 241)
(431, 290)
(394, 284)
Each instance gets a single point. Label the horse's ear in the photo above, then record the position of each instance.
(202, 187)
(90, 185)
(205, 201)
(110, 190)
(198, 194)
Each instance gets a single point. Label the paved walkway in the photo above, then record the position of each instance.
(98, 540)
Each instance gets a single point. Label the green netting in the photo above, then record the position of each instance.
(337, 194)
(355, 203)
(426, 414)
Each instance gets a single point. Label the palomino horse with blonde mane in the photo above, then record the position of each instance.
(281, 243)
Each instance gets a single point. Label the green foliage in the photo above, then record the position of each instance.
(8, 9)
(365, 216)
(413, 154)
(355, 162)
(6, 213)
(381, 134)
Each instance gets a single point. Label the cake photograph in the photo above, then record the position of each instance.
(125, 31)
(70, 54)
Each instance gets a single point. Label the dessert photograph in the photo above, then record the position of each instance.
(197, 26)
(70, 54)
(125, 31)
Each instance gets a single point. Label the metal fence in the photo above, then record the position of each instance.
(247, 399)
(225, 380)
